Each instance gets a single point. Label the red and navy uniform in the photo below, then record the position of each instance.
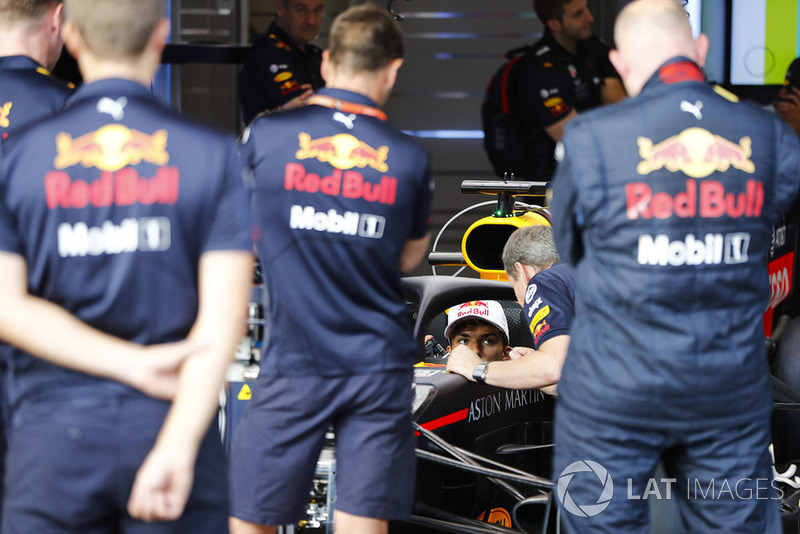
(111, 203)
(337, 193)
(274, 71)
(28, 93)
(550, 83)
(665, 204)
(550, 303)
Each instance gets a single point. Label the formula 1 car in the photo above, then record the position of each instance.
(483, 452)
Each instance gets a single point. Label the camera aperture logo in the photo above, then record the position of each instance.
(584, 509)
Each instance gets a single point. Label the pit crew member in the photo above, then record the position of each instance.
(665, 204)
(30, 45)
(122, 229)
(282, 68)
(341, 201)
(788, 104)
(544, 286)
(567, 71)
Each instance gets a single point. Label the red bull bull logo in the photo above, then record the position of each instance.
(5, 111)
(111, 148)
(695, 152)
(343, 151)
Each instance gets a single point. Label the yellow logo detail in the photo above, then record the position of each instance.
(541, 314)
(343, 151)
(4, 112)
(695, 152)
(245, 393)
(111, 148)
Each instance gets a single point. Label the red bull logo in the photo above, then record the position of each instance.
(5, 110)
(343, 151)
(348, 184)
(709, 200)
(473, 307)
(539, 330)
(123, 188)
(695, 152)
(111, 148)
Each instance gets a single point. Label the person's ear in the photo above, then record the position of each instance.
(391, 73)
(554, 25)
(325, 66)
(619, 63)
(507, 353)
(701, 45)
(72, 39)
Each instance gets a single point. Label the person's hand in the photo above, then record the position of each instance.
(300, 100)
(154, 371)
(462, 361)
(788, 107)
(162, 485)
(519, 352)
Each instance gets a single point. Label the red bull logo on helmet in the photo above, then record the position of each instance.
(473, 307)
(111, 148)
(695, 152)
(343, 151)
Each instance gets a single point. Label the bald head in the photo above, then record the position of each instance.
(647, 34)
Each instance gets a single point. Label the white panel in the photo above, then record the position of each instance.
(748, 32)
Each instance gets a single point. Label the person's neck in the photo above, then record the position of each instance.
(364, 85)
(569, 44)
(16, 43)
(301, 45)
(139, 71)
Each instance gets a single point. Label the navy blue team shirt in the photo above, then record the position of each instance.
(550, 303)
(274, 71)
(111, 203)
(336, 195)
(27, 93)
(665, 205)
(552, 82)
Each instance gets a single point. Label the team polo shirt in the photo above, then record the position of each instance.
(550, 303)
(665, 203)
(28, 93)
(274, 71)
(552, 82)
(111, 203)
(336, 195)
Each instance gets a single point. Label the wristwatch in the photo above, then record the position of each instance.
(479, 373)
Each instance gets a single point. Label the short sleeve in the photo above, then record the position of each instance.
(230, 226)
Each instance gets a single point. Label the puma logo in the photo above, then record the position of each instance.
(694, 109)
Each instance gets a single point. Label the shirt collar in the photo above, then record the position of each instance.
(110, 87)
(349, 96)
(19, 63)
(676, 70)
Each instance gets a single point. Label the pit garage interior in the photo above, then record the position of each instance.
(452, 49)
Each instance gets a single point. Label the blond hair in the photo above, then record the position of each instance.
(365, 39)
(115, 29)
(28, 12)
